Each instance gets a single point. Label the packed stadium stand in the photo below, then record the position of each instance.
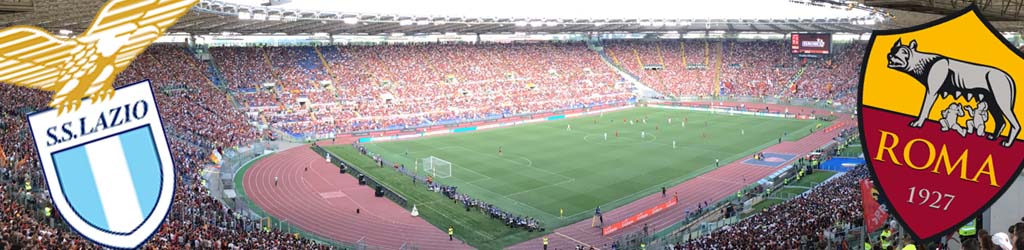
(384, 87)
(319, 91)
(835, 78)
(400, 86)
(792, 225)
(687, 67)
(757, 68)
(236, 74)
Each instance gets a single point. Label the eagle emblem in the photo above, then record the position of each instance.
(85, 65)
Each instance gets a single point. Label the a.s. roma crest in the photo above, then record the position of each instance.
(939, 118)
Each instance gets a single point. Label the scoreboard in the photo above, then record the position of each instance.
(811, 43)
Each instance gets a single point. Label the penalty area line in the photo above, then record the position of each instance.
(544, 186)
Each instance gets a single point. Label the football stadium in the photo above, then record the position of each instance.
(454, 124)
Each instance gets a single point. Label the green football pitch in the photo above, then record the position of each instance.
(568, 165)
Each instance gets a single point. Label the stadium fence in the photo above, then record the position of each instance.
(307, 138)
(799, 102)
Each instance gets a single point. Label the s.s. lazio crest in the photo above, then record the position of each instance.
(105, 156)
(940, 120)
(108, 166)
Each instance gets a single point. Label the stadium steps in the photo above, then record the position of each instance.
(718, 68)
(639, 62)
(608, 57)
(270, 64)
(682, 52)
(212, 75)
(794, 80)
(336, 80)
(707, 53)
(661, 57)
(642, 90)
(323, 61)
(214, 70)
(615, 60)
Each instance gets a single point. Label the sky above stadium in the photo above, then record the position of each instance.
(575, 9)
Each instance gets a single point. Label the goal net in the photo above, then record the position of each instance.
(436, 167)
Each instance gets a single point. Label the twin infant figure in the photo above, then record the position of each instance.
(975, 125)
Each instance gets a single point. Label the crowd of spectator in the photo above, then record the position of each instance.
(674, 78)
(834, 79)
(334, 89)
(198, 118)
(210, 119)
(1011, 239)
(249, 66)
(755, 68)
(401, 86)
(360, 88)
(789, 225)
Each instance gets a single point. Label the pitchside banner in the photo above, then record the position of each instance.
(614, 227)
(938, 119)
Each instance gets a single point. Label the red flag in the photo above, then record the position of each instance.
(3, 157)
(874, 217)
(20, 163)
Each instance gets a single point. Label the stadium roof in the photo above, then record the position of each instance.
(217, 16)
(1006, 15)
(565, 9)
(467, 16)
(994, 10)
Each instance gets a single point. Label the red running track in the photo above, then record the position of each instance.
(323, 201)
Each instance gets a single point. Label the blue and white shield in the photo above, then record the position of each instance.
(108, 166)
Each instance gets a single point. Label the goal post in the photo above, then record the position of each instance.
(436, 167)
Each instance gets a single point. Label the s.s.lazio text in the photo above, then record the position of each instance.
(92, 123)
